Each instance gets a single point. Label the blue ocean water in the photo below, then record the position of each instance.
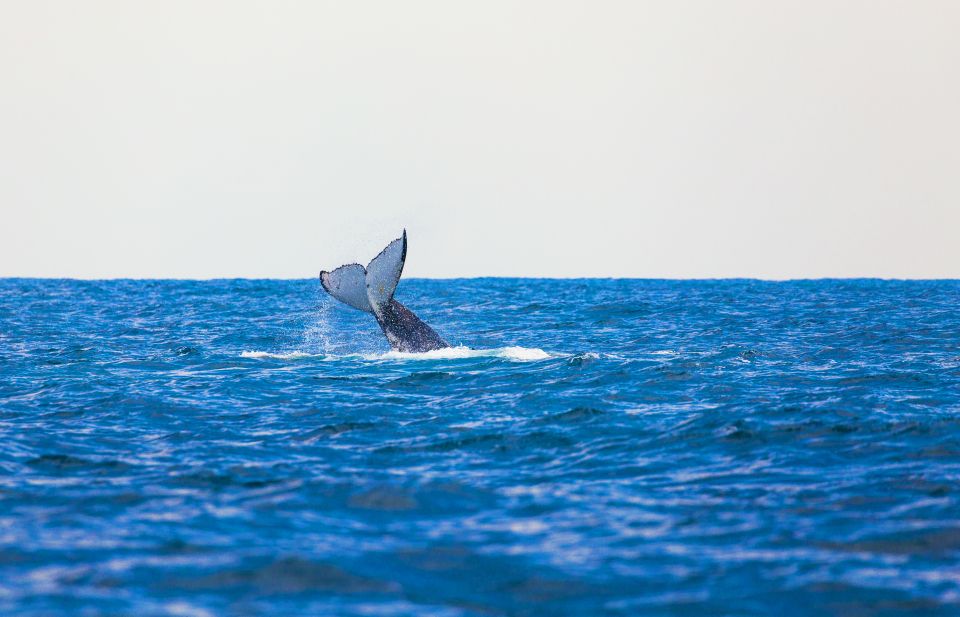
(593, 447)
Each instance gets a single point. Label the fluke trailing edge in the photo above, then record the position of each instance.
(371, 290)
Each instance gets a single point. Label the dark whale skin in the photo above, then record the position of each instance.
(405, 331)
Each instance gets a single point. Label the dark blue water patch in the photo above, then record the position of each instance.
(590, 447)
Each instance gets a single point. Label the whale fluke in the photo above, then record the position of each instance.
(348, 284)
(383, 271)
(371, 290)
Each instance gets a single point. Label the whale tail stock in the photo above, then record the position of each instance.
(371, 290)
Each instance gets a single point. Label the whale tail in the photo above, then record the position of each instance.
(373, 286)
(371, 290)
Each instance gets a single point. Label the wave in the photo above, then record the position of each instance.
(523, 354)
(293, 355)
(516, 354)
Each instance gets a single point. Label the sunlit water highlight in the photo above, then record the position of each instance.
(598, 447)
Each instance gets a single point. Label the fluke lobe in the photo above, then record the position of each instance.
(371, 290)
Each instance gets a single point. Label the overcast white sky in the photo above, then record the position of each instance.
(648, 139)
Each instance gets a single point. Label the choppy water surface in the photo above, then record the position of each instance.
(594, 448)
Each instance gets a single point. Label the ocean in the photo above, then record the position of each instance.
(587, 447)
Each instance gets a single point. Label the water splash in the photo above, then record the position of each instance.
(516, 354)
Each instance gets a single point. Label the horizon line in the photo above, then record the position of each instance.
(495, 277)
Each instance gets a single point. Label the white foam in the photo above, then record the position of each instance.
(516, 354)
(522, 354)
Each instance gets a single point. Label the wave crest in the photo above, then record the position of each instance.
(523, 354)
(293, 355)
(516, 354)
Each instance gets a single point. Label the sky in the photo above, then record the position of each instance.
(669, 139)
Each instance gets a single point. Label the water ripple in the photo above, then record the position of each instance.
(587, 447)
